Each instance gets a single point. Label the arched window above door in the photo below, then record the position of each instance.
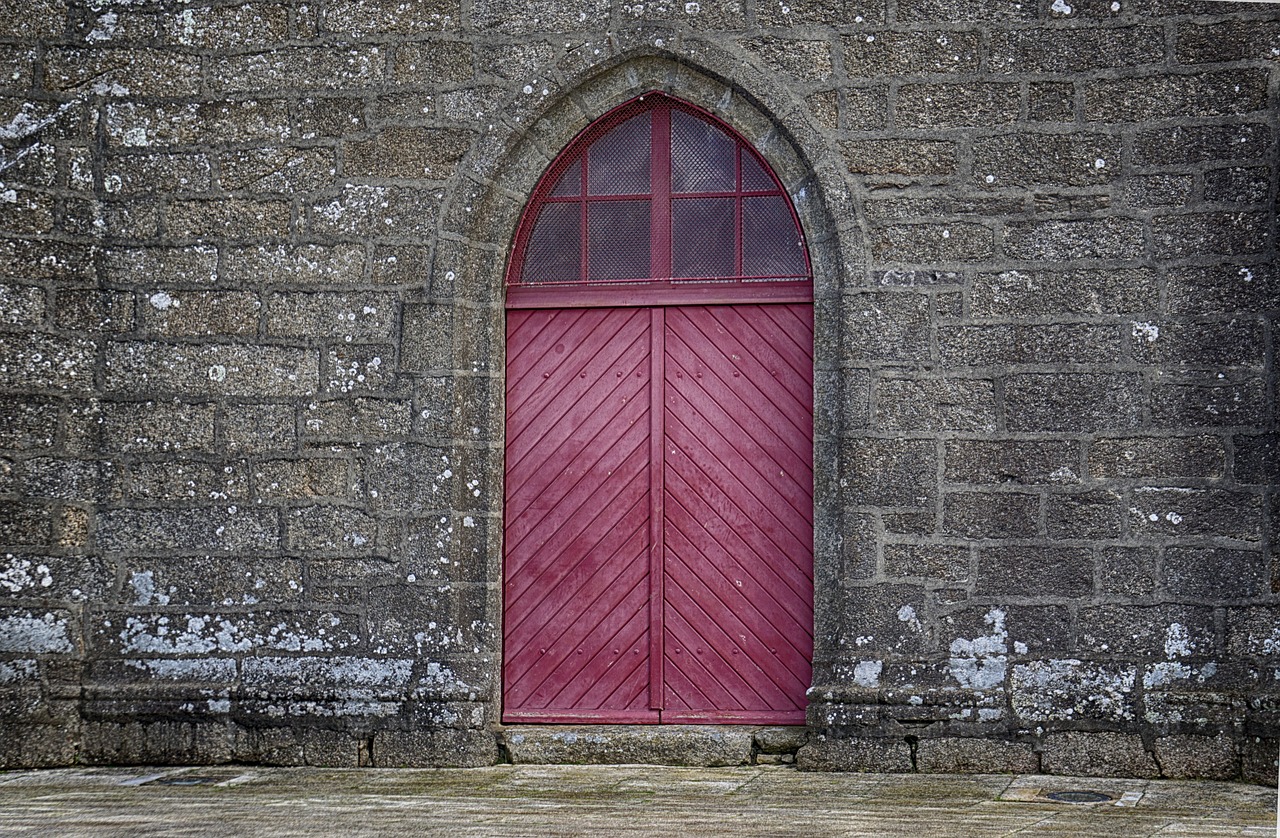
(653, 203)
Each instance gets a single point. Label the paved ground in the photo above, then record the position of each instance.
(605, 801)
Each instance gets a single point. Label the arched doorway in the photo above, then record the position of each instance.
(658, 558)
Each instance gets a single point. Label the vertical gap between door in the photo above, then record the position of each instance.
(657, 491)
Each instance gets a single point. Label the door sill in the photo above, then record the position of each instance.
(707, 746)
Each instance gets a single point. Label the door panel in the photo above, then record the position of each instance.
(659, 567)
(577, 515)
(738, 530)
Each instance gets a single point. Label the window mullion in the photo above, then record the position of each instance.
(660, 192)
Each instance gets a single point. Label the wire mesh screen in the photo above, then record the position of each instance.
(703, 237)
(657, 191)
(618, 162)
(703, 158)
(618, 240)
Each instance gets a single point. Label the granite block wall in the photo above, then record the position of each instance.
(251, 367)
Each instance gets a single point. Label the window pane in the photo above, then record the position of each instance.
(702, 156)
(554, 251)
(618, 240)
(702, 239)
(618, 162)
(570, 183)
(754, 177)
(771, 243)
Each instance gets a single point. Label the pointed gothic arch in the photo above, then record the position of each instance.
(658, 559)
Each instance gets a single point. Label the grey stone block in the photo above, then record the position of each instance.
(1157, 457)
(1027, 462)
(1101, 754)
(435, 749)
(888, 756)
(900, 157)
(1072, 401)
(890, 472)
(981, 515)
(935, 404)
(1053, 159)
(1047, 571)
(1089, 515)
(884, 53)
(1201, 757)
(1030, 293)
(645, 744)
(1062, 241)
(1215, 573)
(1076, 50)
(1073, 691)
(1175, 513)
(1208, 401)
(953, 755)
(886, 326)
(1201, 143)
(1163, 97)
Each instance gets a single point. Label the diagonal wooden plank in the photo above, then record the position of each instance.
(774, 500)
(560, 570)
(761, 578)
(751, 369)
(778, 643)
(550, 469)
(718, 493)
(558, 685)
(766, 424)
(585, 623)
(558, 352)
(574, 381)
(751, 687)
(543, 518)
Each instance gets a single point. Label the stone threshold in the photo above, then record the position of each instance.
(705, 746)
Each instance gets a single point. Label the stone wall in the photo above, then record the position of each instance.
(251, 367)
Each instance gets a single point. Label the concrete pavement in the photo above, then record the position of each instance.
(537, 800)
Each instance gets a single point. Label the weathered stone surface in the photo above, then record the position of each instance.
(1056, 571)
(435, 748)
(252, 366)
(890, 472)
(678, 745)
(1083, 754)
(950, 404)
(900, 157)
(1072, 401)
(962, 756)
(889, 756)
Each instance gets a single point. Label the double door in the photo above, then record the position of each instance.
(659, 514)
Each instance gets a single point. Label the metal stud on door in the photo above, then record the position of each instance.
(658, 531)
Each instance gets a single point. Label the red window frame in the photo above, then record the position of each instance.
(659, 287)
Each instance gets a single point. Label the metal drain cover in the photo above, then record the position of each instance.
(189, 780)
(1077, 796)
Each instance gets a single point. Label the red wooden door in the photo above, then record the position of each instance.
(738, 513)
(658, 523)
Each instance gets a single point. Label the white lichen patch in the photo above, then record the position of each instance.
(11, 672)
(1177, 642)
(28, 634)
(161, 301)
(1149, 332)
(867, 673)
(18, 574)
(190, 634)
(144, 589)
(1069, 689)
(205, 669)
(980, 663)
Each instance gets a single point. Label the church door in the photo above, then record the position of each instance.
(658, 558)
